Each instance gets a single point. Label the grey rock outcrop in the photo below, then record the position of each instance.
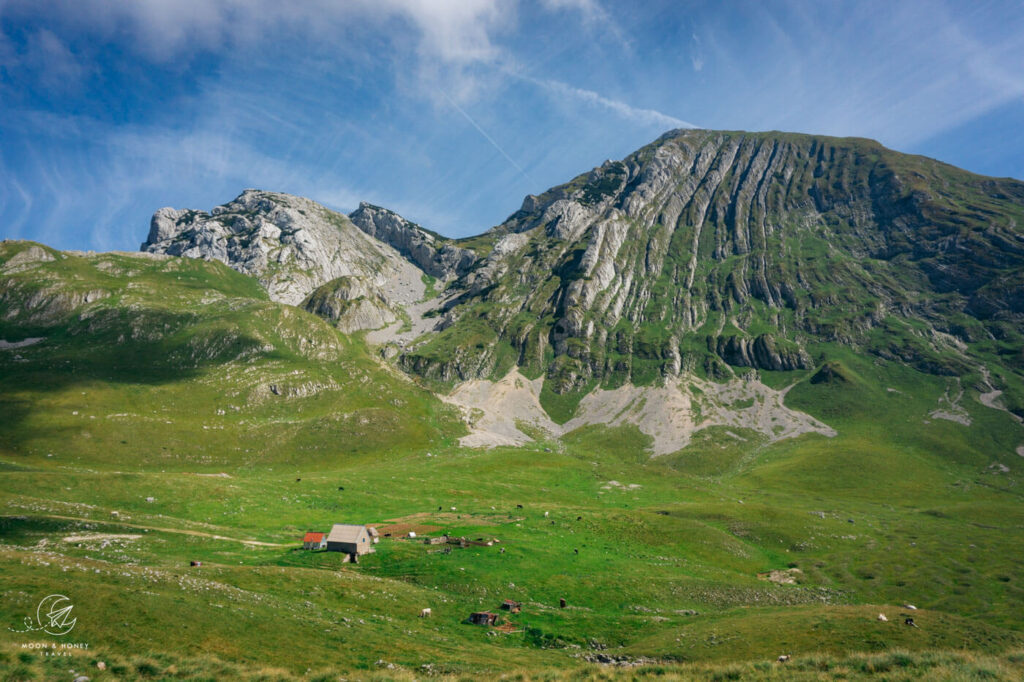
(431, 253)
(352, 304)
(290, 244)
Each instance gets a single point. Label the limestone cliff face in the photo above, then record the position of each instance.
(708, 250)
(430, 252)
(351, 304)
(290, 244)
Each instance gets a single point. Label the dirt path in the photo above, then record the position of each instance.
(950, 408)
(991, 397)
(180, 531)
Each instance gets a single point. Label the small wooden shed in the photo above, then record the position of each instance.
(483, 618)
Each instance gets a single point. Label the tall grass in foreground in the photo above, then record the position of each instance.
(895, 665)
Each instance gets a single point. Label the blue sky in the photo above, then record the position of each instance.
(450, 111)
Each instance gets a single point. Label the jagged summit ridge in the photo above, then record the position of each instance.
(429, 251)
(290, 244)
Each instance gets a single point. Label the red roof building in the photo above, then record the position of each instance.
(314, 540)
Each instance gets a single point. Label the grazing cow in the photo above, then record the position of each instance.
(519, 506)
(425, 613)
(297, 480)
(784, 658)
(882, 618)
(910, 622)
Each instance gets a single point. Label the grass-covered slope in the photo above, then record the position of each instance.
(707, 249)
(185, 364)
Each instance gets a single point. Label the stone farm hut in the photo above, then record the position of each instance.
(314, 540)
(349, 539)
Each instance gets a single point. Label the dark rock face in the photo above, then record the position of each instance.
(759, 353)
(431, 253)
(707, 249)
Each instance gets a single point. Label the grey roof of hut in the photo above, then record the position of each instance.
(343, 532)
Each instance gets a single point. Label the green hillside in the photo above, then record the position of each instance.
(899, 508)
(181, 364)
(159, 411)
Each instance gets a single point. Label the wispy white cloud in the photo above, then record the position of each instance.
(48, 62)
(696, 53)
(595, 17)
(443, 41)
(650, 117)
(453, 31)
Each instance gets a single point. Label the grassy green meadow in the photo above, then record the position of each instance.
(161, 389)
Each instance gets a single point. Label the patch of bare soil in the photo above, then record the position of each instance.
(91, 537)
(430, 520)
(669, 414)
(396, 529)
(8, 345)
(782, 577)
(493, 408)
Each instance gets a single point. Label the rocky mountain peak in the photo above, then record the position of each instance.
(435, 255)
(708, 250)
(290, 244)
